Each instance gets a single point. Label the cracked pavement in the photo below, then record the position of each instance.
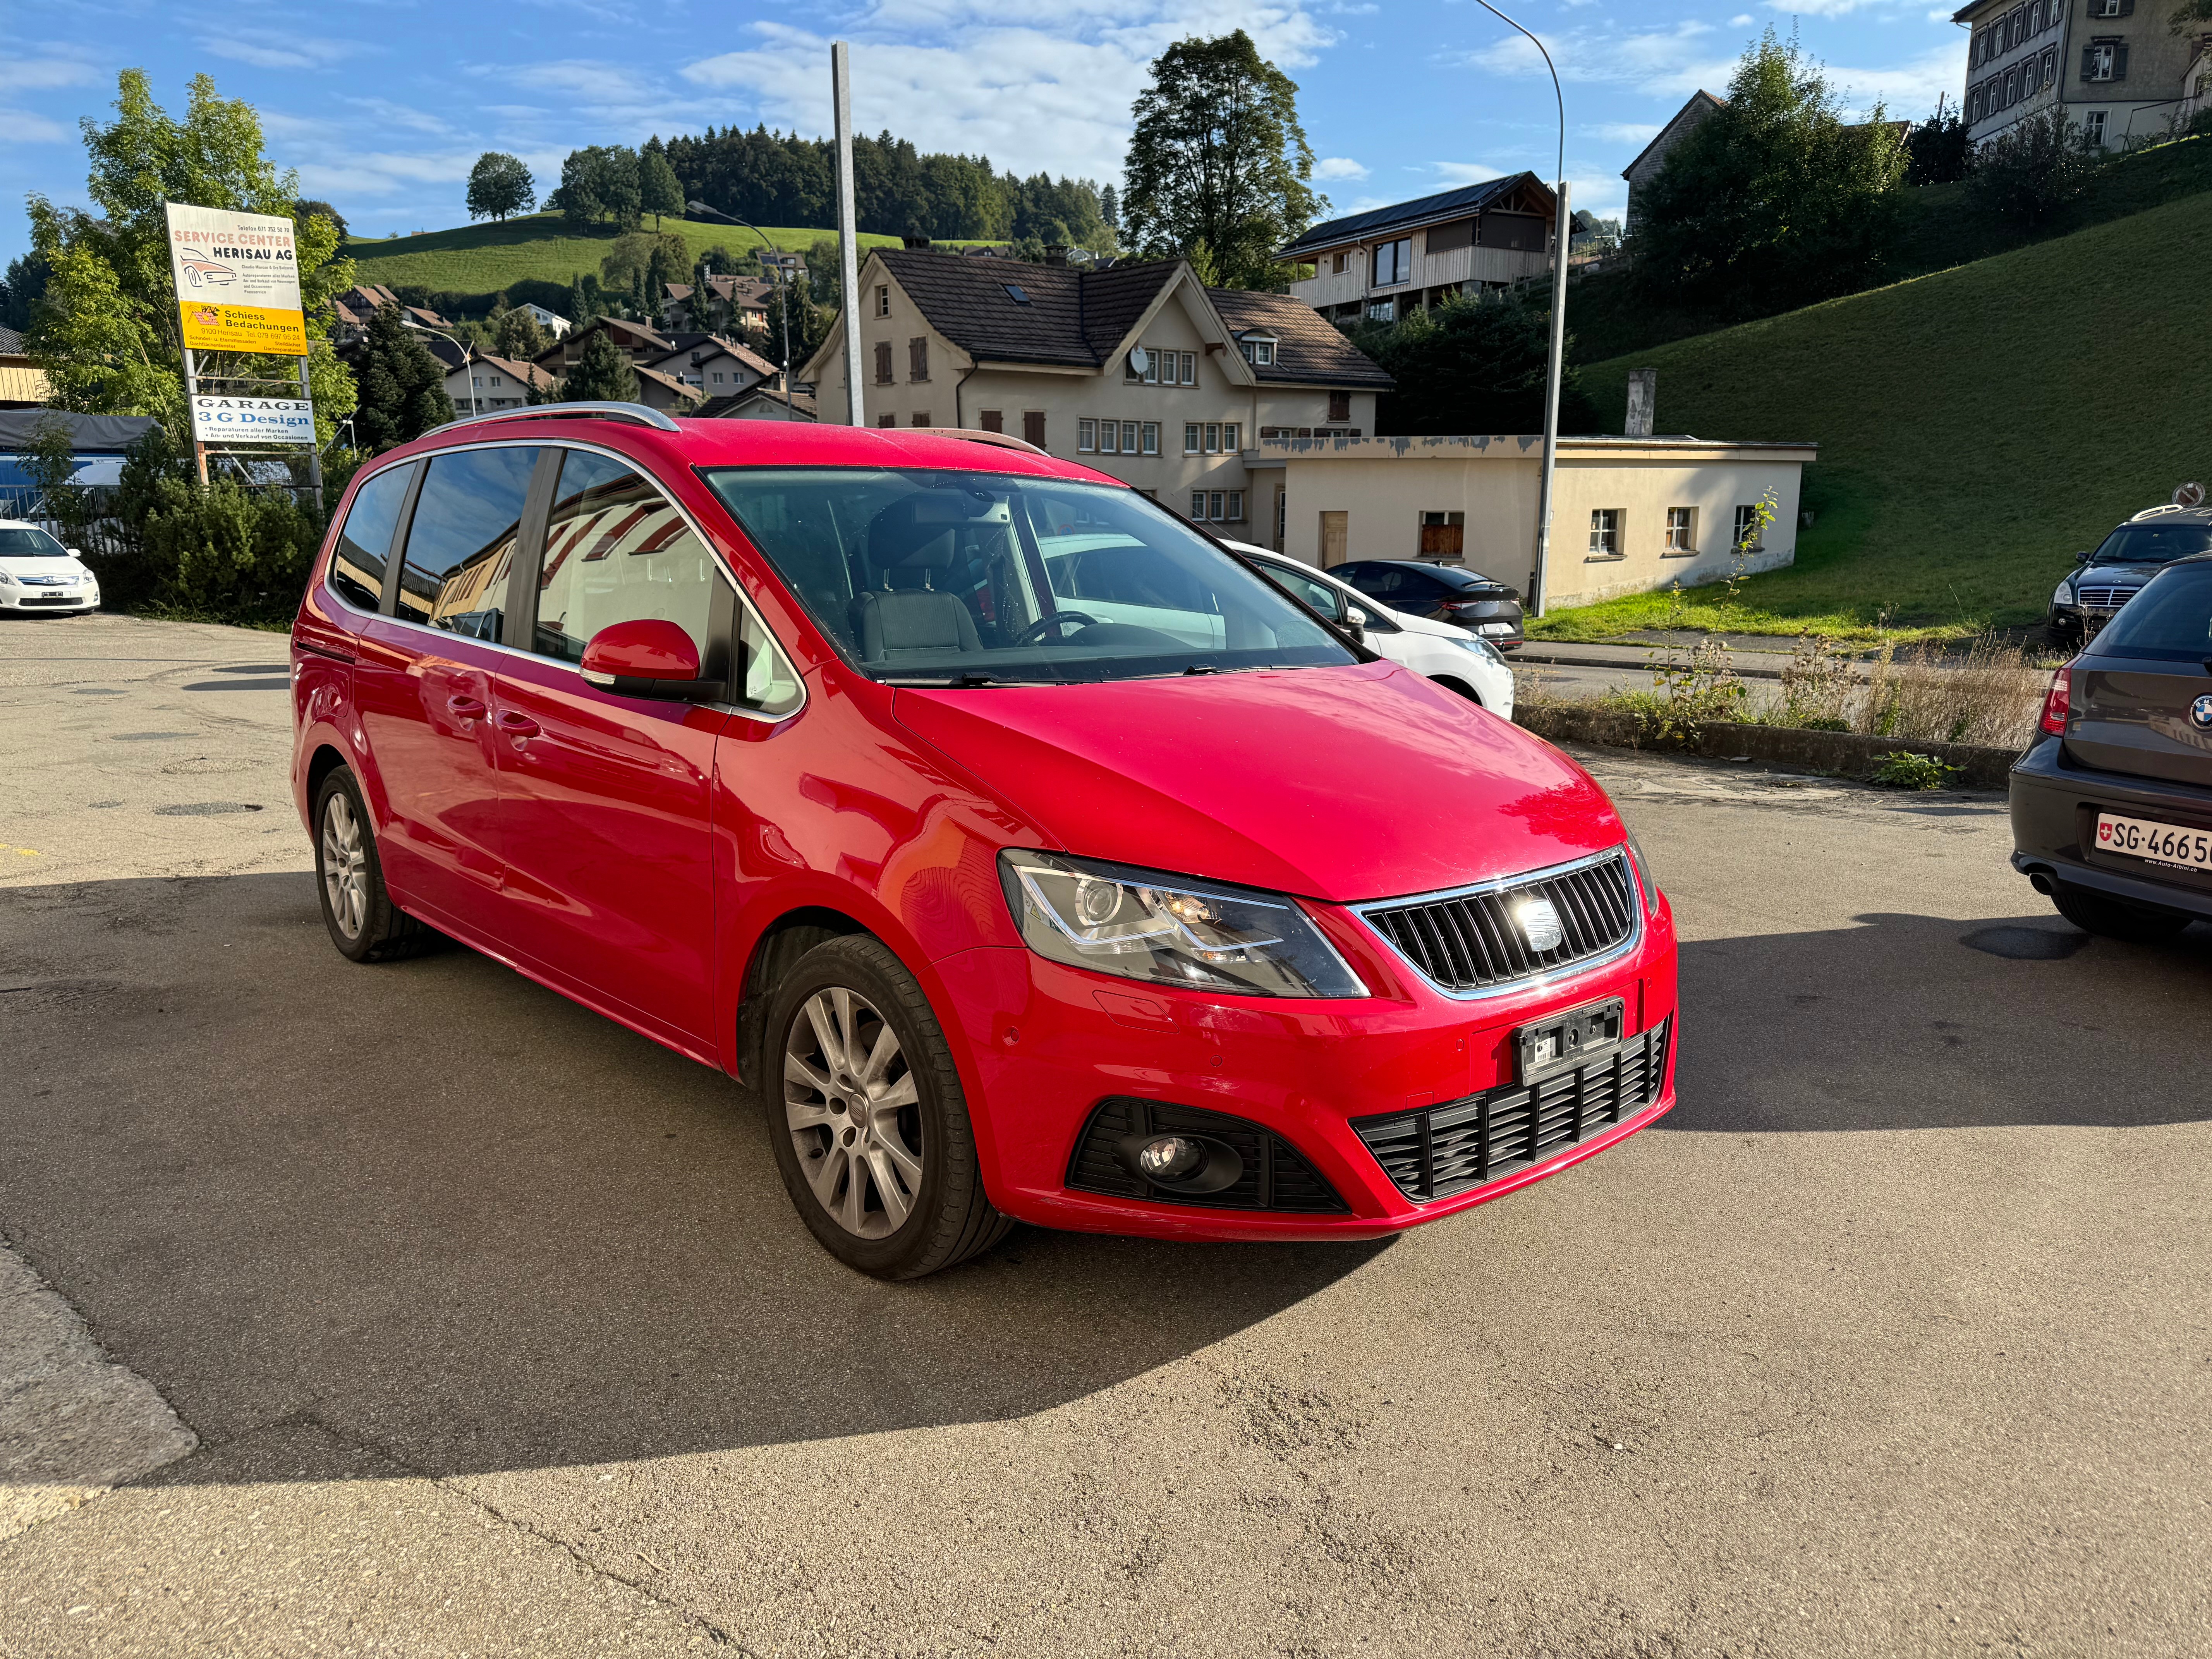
(487, 1327)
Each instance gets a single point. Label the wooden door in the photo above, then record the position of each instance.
(1334, 538)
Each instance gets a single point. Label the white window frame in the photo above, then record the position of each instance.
(1191, 433)
(1086, 436)
(1681, 530)
(1236, 506)
(883, 300)
(1151, 438)
(1198, 505)
(1109, 437)
(1605, 526)
(1746, 514)
(1189, 368)
(1231, 432)
(1213, 437)
(1131, 437)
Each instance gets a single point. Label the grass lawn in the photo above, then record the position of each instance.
(543, 247)
(1976, 426)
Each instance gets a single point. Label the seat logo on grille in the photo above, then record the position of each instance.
(2200, 714)
(1539, 921)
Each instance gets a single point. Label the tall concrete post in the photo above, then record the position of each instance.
(849, 238)
(1643, 402)
(1562, 231)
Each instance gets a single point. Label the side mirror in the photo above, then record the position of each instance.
(647, 657)
(2082, 557)
(74, 552)
(1355, 622)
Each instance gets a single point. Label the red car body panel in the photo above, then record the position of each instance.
(632, 854)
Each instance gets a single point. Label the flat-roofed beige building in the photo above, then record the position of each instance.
(1633, 513)
(1138, 370)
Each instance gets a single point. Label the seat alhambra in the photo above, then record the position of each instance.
(1027, 855)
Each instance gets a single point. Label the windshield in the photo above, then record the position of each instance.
(2153, 544)
(28, 543)
(929, 578)
(2171, 619)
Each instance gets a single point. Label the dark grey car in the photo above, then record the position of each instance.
(2111, 804)
(2106, 578)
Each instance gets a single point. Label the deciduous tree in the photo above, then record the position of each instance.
(658, 191)
(106, 332)
(598, 183)
(1774, 197)
(1471, 365)
(1219, 157)
(518, 335)
(500, 186)
(602, 373)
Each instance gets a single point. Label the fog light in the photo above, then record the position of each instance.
(1170, 1157)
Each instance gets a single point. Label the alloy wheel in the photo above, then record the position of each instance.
(345, 866)
(850, 1101)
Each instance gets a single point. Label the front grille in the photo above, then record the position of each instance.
(1470, 941)
(49, 598)
(1440, 1151)
(1275, 1177)
(2104, 598)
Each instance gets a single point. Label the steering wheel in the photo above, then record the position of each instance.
(1058, 619)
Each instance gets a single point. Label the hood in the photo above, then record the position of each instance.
(43, 564)
(2114, 575)
(1340, 784)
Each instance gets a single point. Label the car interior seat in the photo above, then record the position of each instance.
(906, 617)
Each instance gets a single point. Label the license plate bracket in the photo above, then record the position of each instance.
(1560, 1043)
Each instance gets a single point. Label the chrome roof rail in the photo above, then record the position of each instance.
(637, 412)
(1003, 440)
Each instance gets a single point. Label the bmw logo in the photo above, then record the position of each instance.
(2200, 714)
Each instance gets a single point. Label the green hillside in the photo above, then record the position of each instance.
(1976, 426)
(485, 259)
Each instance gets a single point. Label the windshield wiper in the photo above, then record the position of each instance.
(960, 682)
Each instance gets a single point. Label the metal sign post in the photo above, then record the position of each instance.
(191, 393)
(848, 238)
(1542, 584)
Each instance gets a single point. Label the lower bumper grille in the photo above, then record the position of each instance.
(50, 599)
(1275, 1176)
(1439, 1152)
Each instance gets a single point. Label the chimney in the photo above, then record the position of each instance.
(1055, 253)
(914, 242)
(1642, 400)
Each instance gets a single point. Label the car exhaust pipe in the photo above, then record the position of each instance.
(2040, 880)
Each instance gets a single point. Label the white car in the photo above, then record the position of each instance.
(1451, 656)
(37, 572)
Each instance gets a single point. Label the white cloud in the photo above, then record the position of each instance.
(53, 67)
(1638, 133)
(1466, 172)
(1742, 20)
(1034, 84)
(305, 51)
(1338, 166)
(1674, 60)
(1908, 88)
(19, 126)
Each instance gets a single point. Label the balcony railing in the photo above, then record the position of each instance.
(1458, 264)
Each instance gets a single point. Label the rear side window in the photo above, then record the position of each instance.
(615, 550)
(2170, 619)
(357, 565)
(460, 544)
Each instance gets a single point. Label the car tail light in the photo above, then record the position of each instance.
(2058, 701)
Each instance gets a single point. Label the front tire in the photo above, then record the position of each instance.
(867, 1118)
(363, 922)
(2111, 918)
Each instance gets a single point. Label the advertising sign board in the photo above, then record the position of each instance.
(237, 280)
(257, 420)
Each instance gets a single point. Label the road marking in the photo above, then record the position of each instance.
(27, 852)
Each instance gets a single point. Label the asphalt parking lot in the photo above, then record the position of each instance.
(422, 1312)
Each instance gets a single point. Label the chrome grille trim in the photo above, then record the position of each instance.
(1461, 945)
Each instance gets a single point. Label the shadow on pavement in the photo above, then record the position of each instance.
(1907, 1022)
(443, 1210)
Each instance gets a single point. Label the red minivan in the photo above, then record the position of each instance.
(1032, 857)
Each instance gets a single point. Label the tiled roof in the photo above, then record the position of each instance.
(1309, 350)
(1071, 317)
(686, 343)
(529, 374)
(11, 343)
(1444, 205)
(682, 387)
(720, 408)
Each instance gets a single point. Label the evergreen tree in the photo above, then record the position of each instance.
(402, 386)
(1471, 365)
(1109, 208)
(1219, 157)
(658, 191)
(500, 186)
(518, 335)
(26, 281)
(1937, 151)
(602, 373)
(578, 313)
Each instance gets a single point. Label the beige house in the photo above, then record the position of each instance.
(485, 383)
(1645, 167)
(1381, 262)
(1633, 513)
(23, 384)
(2116, 68)
(1138, 369)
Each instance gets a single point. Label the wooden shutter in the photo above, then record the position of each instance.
(993, 420)
(2127, 10)
(2089, 63)
(1033, 427)
(1339, 405)
(2120, 51)
(883, 362)
(917, 358)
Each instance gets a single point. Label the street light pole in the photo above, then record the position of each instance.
(466, 358)
(782, 285)
(1540, 579)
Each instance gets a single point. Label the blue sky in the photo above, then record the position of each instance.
(382, 105)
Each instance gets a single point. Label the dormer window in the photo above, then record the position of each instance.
(1259, 349)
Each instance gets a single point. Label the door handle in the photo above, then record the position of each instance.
(465, 707)
(517, 725)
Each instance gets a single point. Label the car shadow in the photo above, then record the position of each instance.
(445, 1212)
(1906, 1022)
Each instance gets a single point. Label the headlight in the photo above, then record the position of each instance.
(6, 581)
(2065, 593)
(1481, 648)
(1139, 924)
(1650, 882)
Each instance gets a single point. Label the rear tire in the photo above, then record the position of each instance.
(2111, 918)
(363, 922)
(866, 1116)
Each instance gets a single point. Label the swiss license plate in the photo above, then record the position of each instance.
(2161, 843)
(1494, 628)
(1567, 1041)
